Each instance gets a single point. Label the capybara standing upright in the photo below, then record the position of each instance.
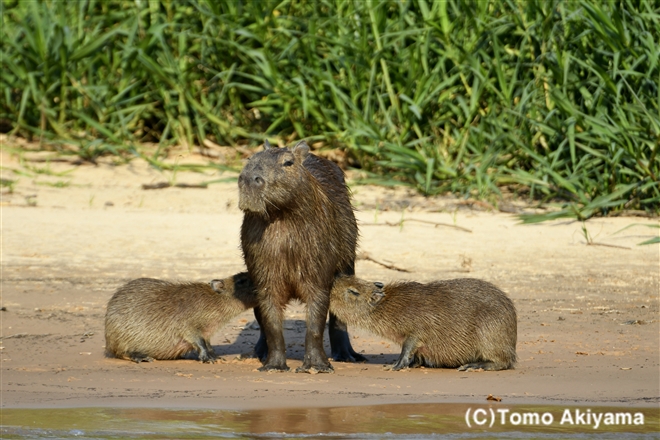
(298, 233)
(465, 323)
(151, 319)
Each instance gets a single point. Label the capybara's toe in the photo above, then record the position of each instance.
(275, 368)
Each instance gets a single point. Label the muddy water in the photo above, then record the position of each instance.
(415, 421)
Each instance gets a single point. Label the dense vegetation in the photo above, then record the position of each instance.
(555, 100)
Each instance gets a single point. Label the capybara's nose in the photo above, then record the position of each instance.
(254, 181)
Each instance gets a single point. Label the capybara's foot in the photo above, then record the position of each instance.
(402, 363)
(137, 358)
(313, 369)
(207, 358)
(205, 351)
(276, 368)
(340, 343)
(315, 362)
(275, 362)
(396, 367)
(347, 355)
(417, 361)
(485, 366)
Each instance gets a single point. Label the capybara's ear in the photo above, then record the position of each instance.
(267, 145)
(376, 297)
(217, 285)
(301, 150)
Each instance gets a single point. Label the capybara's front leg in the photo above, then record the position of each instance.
(315, 356)
(205, 351)
(271, 321)
(407, 354)
(340, 343)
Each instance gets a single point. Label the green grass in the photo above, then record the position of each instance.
(554, 101)
(653, 240)
(9, 184)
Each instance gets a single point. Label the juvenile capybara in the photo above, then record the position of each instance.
(465, 323)
(149, 319)
(298, 233)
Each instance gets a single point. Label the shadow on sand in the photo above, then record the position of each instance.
(294, 336)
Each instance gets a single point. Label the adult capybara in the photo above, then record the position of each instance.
(151, 319)
(298, 233)
(464, 323)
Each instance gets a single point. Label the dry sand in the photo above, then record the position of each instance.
(588, 330)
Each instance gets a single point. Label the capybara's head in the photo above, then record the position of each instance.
(350, 294)
(237, 287)
(273, 178)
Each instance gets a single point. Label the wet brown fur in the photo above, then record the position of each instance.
(298, 233)
(463, 323)
(149, 319)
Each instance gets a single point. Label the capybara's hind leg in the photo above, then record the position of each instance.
(261, 348)
(417, 361)
(139, 357)
(340, 343)
(486, 366)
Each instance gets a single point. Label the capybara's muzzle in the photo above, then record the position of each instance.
(250, 187)
(250, 179)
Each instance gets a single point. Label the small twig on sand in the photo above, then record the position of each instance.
(481, 203)
(161, 185)
(25, 335)
(366, 256)
(191, 185)
(400, 222)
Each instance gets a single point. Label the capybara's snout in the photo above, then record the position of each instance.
(251, 186)
(251, 178)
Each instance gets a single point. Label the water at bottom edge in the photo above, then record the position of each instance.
(407, 421)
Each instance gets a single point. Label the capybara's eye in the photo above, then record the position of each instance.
(287, 163)
(354, 292)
